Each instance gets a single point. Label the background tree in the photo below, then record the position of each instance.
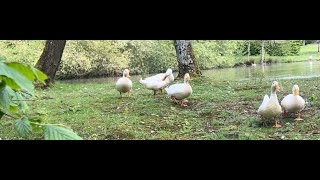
(262, 51)
(249, 44)
(186, 58)
(50, 58)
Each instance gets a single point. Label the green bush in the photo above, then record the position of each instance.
(151, 56)
(93, 58)
(24, 51)
(216, 53)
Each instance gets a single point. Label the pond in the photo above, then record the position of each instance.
(277, 71)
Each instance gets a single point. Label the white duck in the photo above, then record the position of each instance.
(154, 85)
(124, 84)
(270, 107)
(293, 103)
(179, 92)
(160, 77)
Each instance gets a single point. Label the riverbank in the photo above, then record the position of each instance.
(307, 53)
(217, 110)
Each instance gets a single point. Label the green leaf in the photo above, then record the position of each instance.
(2, 84)
(20, 101)
(35, 127)
(10, 82)
(39, 75)
(13, 108)
(28, 71)
(1, 114)
(2, 58)
(23, 69)
(20, 80)
(23, 127)
(5, 99)
(52, 132)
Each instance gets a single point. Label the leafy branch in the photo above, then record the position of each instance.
(16, 87)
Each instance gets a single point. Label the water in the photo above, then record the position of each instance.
(277, 71)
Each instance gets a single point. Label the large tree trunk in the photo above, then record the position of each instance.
(50, 58)
(262, 51)
(248, 50)
(186, 58)
(304, 42)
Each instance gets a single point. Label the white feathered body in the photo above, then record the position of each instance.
(293, 103)
(269, 107)
(124, 85)
(179, 91)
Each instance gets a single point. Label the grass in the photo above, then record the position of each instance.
(217, 110)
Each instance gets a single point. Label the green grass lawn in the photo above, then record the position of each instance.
(217, 110)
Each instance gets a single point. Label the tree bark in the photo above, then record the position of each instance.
(186, 58)
(304, 42)
(262, 51)
(50, 58)
(248, 49)
(318, 45)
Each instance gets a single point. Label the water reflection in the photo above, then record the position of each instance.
(274, 71)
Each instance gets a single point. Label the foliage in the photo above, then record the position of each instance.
(216, 53)
(98, 58)
(93, 58)
(310, 41)
(273, 47)
(151, 56)
(59, 133)
(23, 51)
(16, 87)
(284, 48)
(255, 47)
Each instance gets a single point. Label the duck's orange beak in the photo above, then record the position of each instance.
(164, 78)
(296, 91)
(127, 75)
(277, 87)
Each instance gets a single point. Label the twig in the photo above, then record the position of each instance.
(9, 115)
(48, 124)
(26, 92)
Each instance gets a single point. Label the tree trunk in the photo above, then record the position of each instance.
(262, 51)
(304, 42)
(186, 58)
(318, 45)
(50, 58)
(248, 49)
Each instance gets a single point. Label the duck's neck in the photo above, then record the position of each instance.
(166, 80)
(294, 94)
(274, 95)
(170, 77)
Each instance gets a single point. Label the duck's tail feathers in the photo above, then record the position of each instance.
(142, 81)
